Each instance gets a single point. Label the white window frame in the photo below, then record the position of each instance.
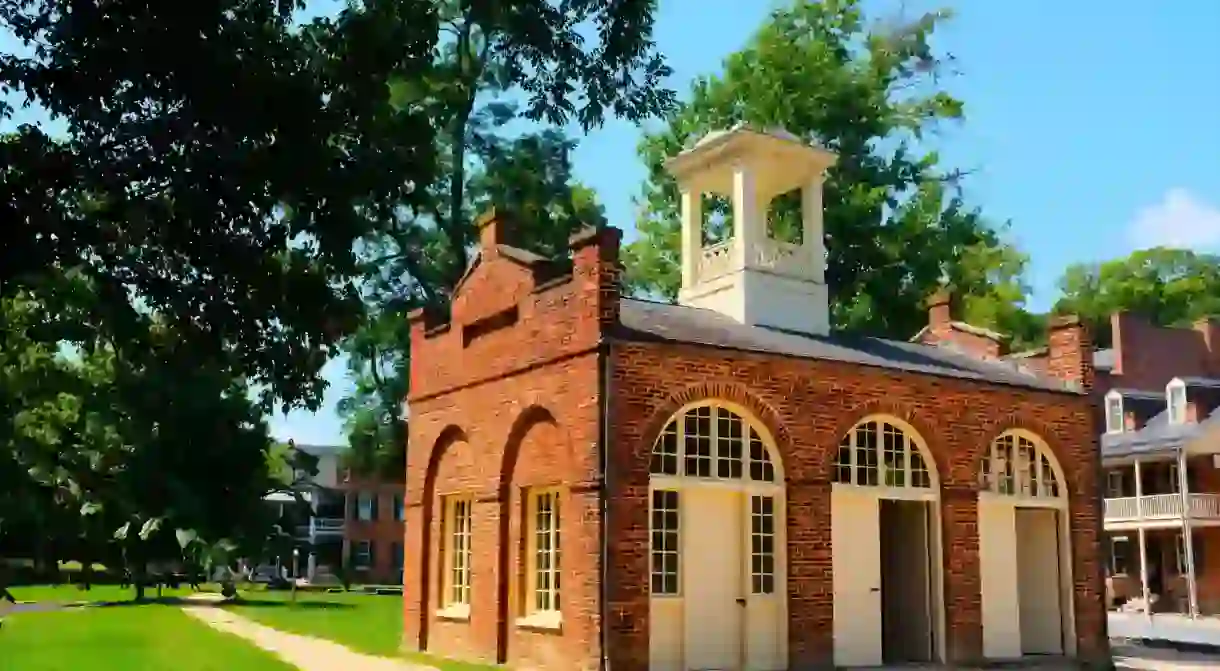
(1114, 484)
(549, 614)
(670, 558)
(364, 506)
(1175, 401)
(456, 565)
(1115, 421)
(1114, 543)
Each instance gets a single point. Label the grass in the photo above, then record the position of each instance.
(366, 623)
(97, 594)
(363, 622)
(144, 637)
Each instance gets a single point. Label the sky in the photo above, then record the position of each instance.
(1090, 125)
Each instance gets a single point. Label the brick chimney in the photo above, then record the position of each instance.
(943, 331)
(1070, 352)
(1209, 330)
(595, 262)
(495, 228)
(940, 309)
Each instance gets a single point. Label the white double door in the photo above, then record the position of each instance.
(859, 562)
(726, 626)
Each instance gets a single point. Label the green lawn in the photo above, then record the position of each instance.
(365, 623)
(98, 593)
(146, 637)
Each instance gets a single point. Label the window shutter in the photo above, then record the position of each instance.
(376, 500)
(372, 553)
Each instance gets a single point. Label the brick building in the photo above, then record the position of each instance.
(598, 480)
(341, 522)
(1158, 389)
(373, 529)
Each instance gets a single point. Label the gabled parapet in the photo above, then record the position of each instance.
(514, 308)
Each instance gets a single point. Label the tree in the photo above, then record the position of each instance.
(213, 169)
(895, 223)
(499, 64)
(127, 458)
(1170, 287)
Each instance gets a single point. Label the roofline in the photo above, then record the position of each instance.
(655, 339)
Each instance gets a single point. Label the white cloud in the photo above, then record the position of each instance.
(1179, 220)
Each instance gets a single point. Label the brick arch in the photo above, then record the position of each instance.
(732, 392)
(928, 433)
(532, 416)
(1024, 421)
(447, 438)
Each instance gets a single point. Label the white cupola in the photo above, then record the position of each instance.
(753, 277)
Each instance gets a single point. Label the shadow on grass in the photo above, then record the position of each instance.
(47, 606)
(276, 603)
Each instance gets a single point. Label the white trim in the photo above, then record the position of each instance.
(1176, 390)
(990, 480)
(914, 444)
(535, 616)
(1113, 398)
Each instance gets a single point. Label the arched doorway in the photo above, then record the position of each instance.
(885, 538)
(718, 551)
(1024, 559)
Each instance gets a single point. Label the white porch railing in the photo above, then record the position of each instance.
(1161, 507)
(321, 526)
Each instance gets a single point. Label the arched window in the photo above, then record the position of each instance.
(1017, 465)
(711, 441)
(879, 453)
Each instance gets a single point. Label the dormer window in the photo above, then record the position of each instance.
(1175, 395)
(1114, 413)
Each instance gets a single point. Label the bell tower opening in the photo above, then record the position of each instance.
(770, 268)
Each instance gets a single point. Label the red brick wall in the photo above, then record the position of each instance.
(809, 406)
(384, 531)
(1148, 357)
(491, 417)
(518, 406)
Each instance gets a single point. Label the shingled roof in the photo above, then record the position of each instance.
(643, 320)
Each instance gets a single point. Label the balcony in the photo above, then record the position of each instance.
(1161, 507)
(321, 527)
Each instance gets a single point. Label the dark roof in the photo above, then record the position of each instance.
(647, 320)
(1139, 394)
(1200, 382)
(1158, 435)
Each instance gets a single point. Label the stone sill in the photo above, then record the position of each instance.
(544, 620)
(458, 612)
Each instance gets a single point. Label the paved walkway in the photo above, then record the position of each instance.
(304, 652)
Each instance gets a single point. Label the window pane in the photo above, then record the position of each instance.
(762, 544)
(665, 542)
(546, 551)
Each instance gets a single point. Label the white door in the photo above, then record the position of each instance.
(766, 626)
(855, 543)
(715, 598)
(998, 578)
(1038, 577)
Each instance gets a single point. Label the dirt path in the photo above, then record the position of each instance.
(304, 652)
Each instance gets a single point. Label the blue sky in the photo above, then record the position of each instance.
(1091, 125)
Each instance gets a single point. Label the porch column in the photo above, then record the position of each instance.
(1144, 574)
(1139, 491)
(1188, 537)
(311, 571)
